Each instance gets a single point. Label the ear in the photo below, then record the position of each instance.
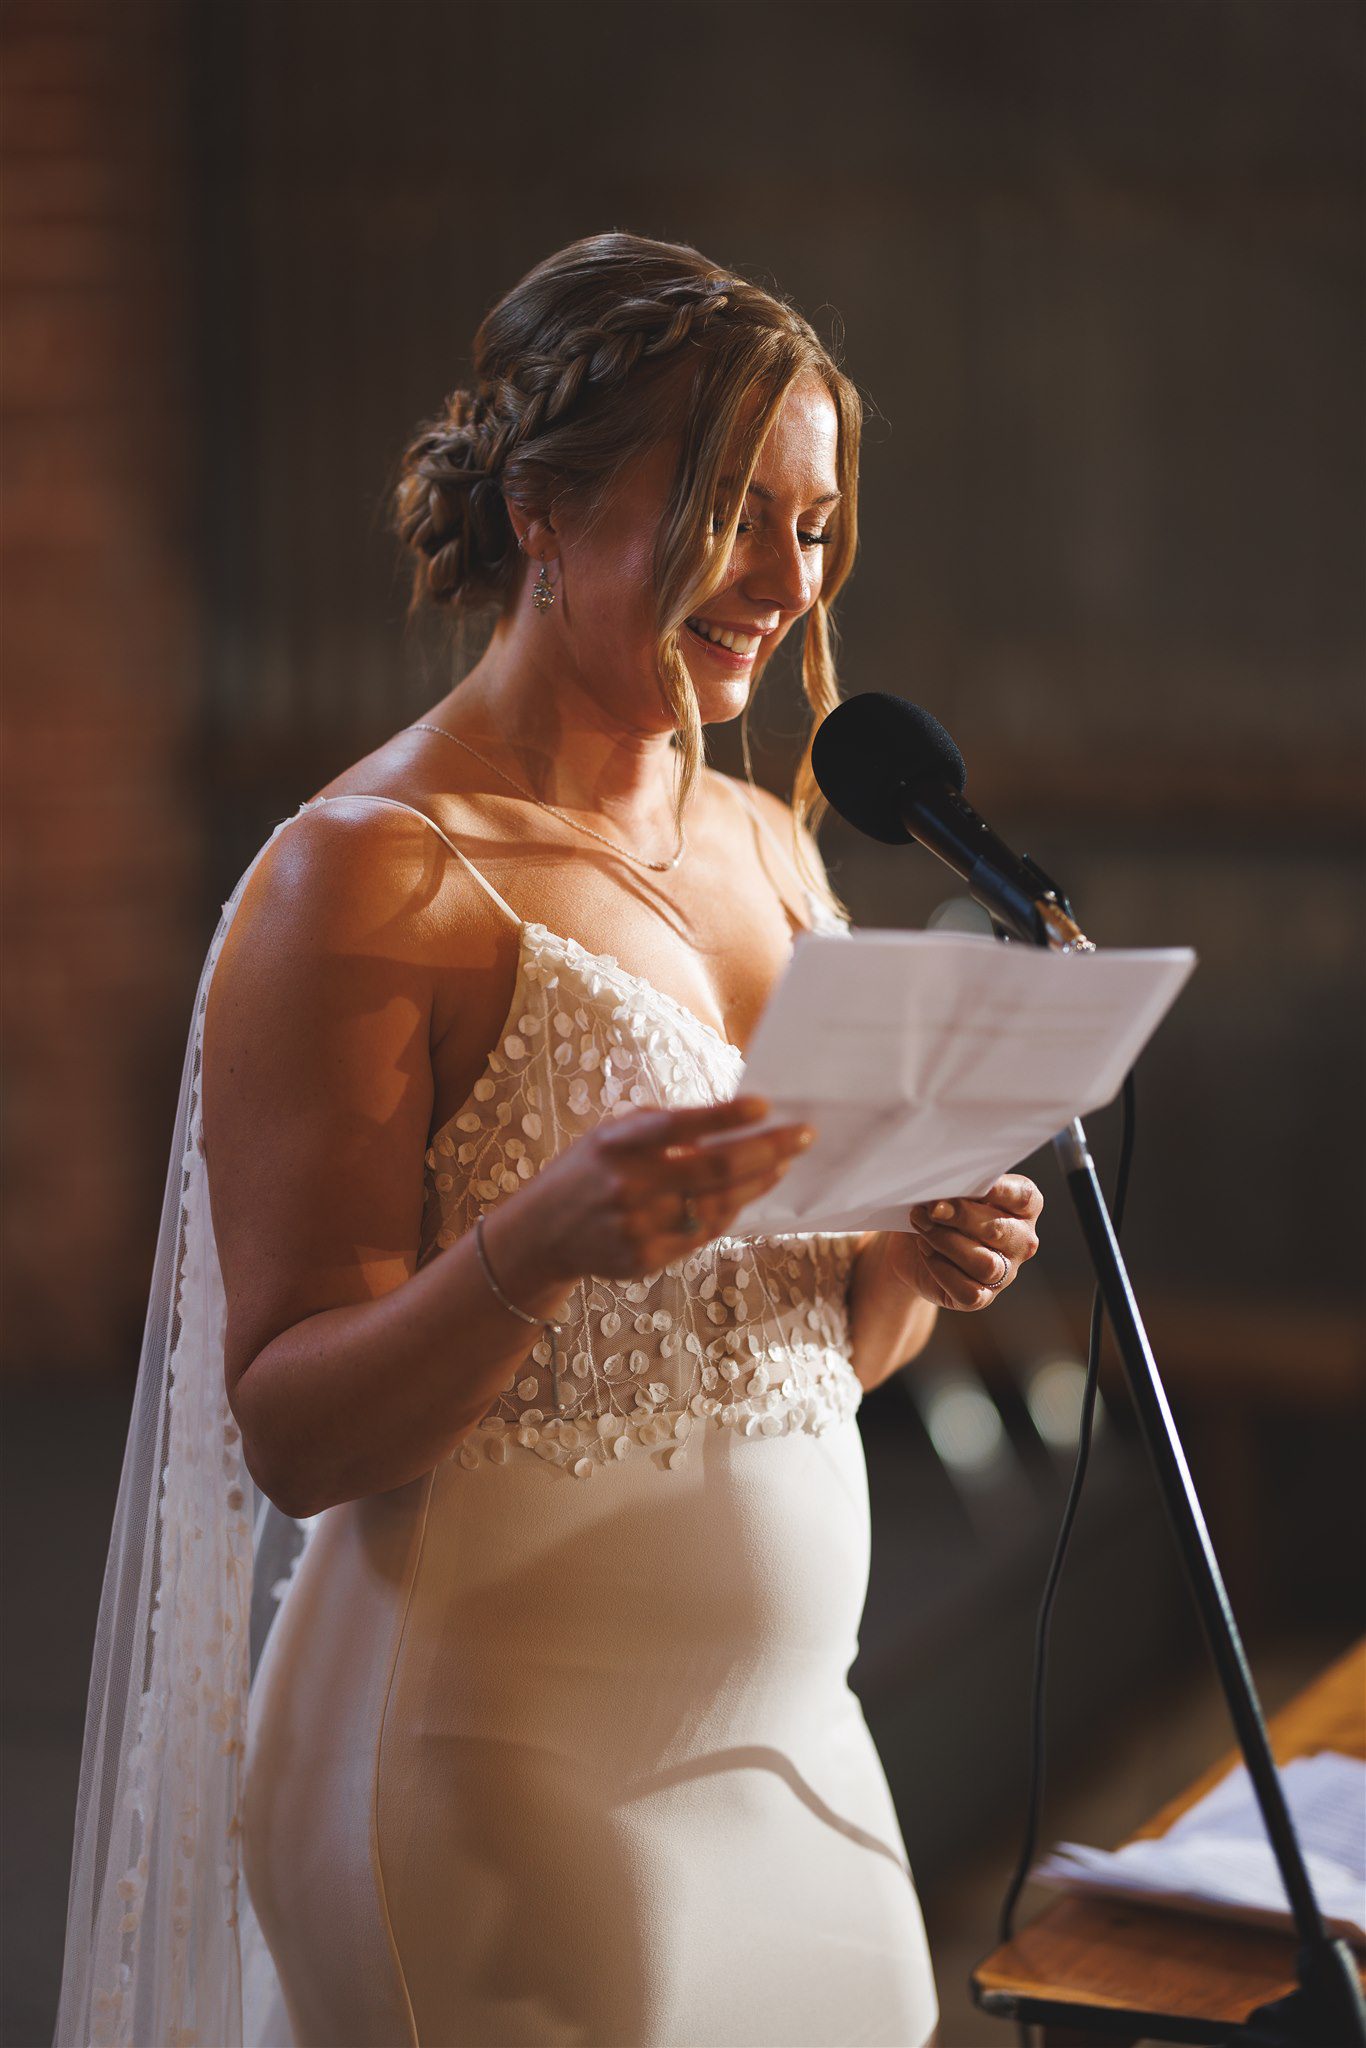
(536, 536)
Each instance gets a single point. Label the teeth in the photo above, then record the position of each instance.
(738, 643)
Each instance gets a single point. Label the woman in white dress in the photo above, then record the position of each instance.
(551, 1739)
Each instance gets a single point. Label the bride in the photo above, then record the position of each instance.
(493, 1535)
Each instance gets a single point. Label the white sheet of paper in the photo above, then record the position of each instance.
(1216, 1858)
(930, 1062)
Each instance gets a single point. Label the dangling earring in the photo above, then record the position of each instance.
(542, 595)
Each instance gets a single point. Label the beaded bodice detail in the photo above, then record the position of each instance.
(744, 1333)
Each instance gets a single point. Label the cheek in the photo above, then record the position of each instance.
(616, 596)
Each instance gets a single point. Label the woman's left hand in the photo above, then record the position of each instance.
(964, 1252)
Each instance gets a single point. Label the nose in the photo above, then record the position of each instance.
(779, 571)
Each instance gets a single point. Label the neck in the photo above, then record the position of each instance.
(560, 741)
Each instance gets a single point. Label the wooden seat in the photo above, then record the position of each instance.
(1091, 1970)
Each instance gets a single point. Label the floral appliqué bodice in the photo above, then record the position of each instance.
(749, 1333)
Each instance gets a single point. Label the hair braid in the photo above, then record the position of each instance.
(450, 499)
(588, 362)
(604, 354)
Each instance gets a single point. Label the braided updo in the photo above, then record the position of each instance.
(605, 349)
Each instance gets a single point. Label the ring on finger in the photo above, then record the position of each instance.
(997, 1285)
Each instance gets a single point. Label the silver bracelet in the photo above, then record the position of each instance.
(546, 1323)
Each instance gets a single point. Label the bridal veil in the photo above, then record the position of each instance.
(162, 1949)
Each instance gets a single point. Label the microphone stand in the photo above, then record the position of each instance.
(1326, 2009)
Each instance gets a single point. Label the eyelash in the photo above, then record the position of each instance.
(808, 540)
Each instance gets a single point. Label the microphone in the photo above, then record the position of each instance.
(891, 771)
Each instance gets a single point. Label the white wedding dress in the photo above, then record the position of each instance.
(556, 1745)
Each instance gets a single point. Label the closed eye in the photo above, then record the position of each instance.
(808, 540)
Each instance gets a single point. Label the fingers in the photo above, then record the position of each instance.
(957, 1289)
(982, 1252)
(699, 1170)
(1016, 1193)
(973, 1248)
(979, 1263)
(1014, 1237)
(716, 1195)
(687, 1152)
(644, 1130)
(705, 1156)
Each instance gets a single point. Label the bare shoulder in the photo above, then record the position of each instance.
(344, 878)
(318, 1082)
(321, 1001)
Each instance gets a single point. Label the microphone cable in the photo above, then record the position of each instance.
(1037, 1745)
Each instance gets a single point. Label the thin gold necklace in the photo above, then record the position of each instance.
(659, 867)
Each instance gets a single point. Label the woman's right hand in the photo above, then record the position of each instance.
(612, 1201)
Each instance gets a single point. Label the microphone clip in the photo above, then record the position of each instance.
(1047, 887)
(1054, 923)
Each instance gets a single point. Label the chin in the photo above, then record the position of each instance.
(718, 701)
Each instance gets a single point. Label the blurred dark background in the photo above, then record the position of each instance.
(1096, 265)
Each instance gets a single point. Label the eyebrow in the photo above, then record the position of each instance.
(760, 492)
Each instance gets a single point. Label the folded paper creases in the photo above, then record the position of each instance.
(929, 1063)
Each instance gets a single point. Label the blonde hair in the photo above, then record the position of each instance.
(606, 348)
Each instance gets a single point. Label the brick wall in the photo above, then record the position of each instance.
(1098, 269)
(101, 858)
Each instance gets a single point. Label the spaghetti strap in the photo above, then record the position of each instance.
(746, 796)
(361, 796)
(822, 915)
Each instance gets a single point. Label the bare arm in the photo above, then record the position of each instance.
(349, 1371)
(955, 1255)
(888, 1324)
(340, 1364)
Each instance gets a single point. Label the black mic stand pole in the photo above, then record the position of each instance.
(1327, 2009)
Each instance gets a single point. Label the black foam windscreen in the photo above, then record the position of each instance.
(870, 750)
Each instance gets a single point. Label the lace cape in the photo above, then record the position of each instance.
(162, 1950)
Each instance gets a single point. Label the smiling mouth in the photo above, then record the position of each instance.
(742, 646)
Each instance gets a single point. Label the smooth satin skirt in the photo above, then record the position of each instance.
(542, 1760)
